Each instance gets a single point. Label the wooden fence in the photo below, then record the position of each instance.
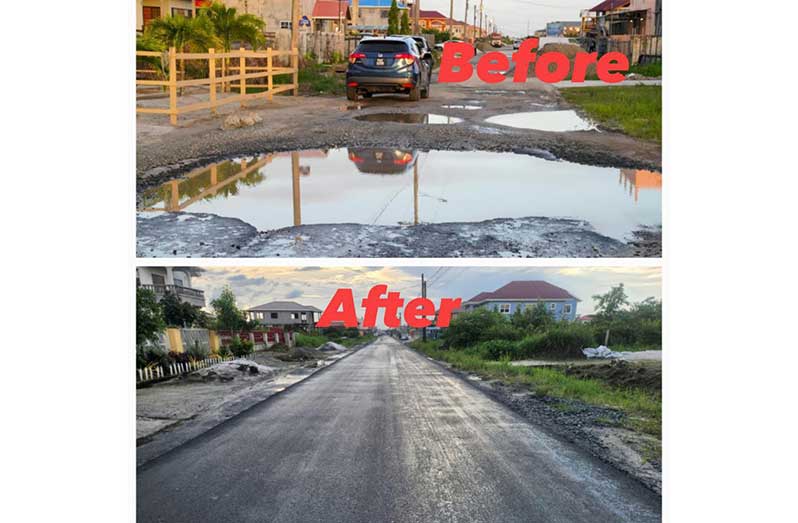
(175, 369)
(226, 73)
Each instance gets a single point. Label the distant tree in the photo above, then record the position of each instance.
(228, 315)
(178, 313)
(149, 317)
(393, 18)
(611, 303)
(609, 307)
(405, 25)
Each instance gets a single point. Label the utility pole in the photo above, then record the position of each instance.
(295, 24)
(451, 19)
(465, 24)
(423, 295)
(416, 9)
(481, 16)
(475, 20)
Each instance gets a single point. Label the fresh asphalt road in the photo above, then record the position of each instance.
(385, 435)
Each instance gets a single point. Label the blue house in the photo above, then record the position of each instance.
(520, 295)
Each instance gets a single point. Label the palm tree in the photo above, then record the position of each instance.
(182, 33)
(229, 26)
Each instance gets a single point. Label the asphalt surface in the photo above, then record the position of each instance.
(385, 435)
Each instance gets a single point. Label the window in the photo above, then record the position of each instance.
(553, 306)
(176, 11)
(273, 315)
(179, 282)
(157, 279)
(285, 24)
(384, 13)
(567, 308)
(294, 316)
(148, 14)
(304, 316)
(504, 308)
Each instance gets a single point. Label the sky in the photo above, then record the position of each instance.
(316, 285)
(512, 15)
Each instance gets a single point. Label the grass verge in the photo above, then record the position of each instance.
(643, 409)
(307, 340)
(635, 110)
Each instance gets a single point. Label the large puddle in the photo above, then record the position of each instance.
(553, 121)
(394, 186)
(422, 118)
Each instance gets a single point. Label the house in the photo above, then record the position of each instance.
(148, 10)
(372, 15)
(330, 16)
(521, 295)
(567, 29)
(276, 15)
(624, 18)
(176, 280)
(284, 314)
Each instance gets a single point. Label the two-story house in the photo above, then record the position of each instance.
(284, 314)
(520, 295)
(176, 280)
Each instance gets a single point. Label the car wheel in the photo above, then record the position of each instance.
(415, 94)
(425, 92)
(367, 95)
(351, 94)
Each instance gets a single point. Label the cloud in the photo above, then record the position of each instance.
(296, 293)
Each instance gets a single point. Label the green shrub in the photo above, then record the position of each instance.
(224, 351)
(472, 327)
(495, 349)
(306, 340)
(241, 348)
(198, 351)
(564, 340)
(148, 354)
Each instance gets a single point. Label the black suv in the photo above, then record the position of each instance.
(393, 64)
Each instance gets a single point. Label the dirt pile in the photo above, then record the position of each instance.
(230, 370)
(331, 346)
(301, 354)
(622, 374)
(570, 51)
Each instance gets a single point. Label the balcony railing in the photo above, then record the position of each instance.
(178, 290)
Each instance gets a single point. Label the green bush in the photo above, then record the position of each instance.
(565, 340)
(148, 354)
(241, 348)
(198, 351)
(495, 349)
(472, 327)
(306, 340)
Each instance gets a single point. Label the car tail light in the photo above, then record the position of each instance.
(408, 86)
(352, 84)
(404, 159)
(354, 57)
(404, 56)
(355, 158)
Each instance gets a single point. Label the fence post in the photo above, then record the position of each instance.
(212, 77)
(269, 78)
(172, 86)
(295, 67)
(242, 71)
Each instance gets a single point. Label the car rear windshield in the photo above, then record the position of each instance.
(382, 47)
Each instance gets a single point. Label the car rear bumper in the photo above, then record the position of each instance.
(376, 81)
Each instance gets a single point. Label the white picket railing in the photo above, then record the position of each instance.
(175, 369)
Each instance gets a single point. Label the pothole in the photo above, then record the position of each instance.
(552, 121)
(390, 186)
(414, 118)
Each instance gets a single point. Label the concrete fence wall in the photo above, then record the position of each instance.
(322, 45)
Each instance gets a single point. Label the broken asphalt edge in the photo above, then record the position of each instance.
(144, 459)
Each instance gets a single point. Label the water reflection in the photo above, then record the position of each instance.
(389, 186)
(416, 118)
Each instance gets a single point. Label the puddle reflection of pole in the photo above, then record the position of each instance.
(415, 192)
(297, 202)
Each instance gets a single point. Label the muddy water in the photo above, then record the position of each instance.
(417, 118)
(553, 121)
(394, 186)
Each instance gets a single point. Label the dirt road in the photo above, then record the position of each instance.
(385, 435)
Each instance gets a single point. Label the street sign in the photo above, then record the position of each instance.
(304, 22)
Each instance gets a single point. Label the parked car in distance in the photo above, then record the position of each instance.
(425, 51)
(440, 45)
(516, 44)
(387, 65)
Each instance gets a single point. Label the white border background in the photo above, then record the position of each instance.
(729, 268)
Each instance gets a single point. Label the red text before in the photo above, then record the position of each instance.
(418, 313)
(549, 67)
